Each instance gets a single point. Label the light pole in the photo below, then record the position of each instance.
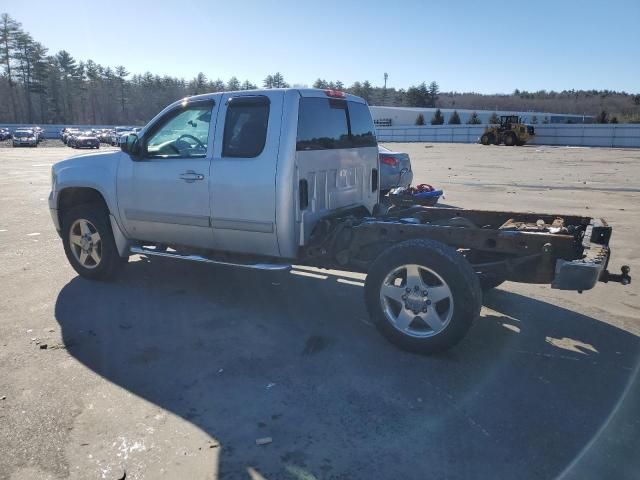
(384, 90)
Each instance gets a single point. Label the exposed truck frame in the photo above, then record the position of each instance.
(567, 251)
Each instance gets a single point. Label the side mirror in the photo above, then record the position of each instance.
(130, 144)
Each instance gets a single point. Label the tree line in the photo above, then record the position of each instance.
(37, 86)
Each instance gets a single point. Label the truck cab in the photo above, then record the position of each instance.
(247, 172)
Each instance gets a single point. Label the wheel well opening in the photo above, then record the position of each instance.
(73, 196)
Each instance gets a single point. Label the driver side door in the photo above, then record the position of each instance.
(163, 196)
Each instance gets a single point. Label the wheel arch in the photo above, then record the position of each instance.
(70, 197)
(73, 196)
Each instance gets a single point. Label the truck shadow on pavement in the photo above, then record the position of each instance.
(521, 397)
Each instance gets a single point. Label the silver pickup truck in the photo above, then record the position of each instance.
(266, 178)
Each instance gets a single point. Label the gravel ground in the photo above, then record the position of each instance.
(175, 370)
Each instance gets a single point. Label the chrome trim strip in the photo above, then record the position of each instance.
(198, 258)
(243, 225)
(159, 217)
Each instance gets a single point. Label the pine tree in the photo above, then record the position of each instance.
(434, 91)
(534, 119)
(320, 83)
(356, 89)
(68, 67)
(367, 90)
(420, 119)
(474, 119)
(437, 118)
(494, 119)
(278, 81)
(417, 96)
(121, 75)
(233, 84)
(9, 30)
(602, 117)
(454, 119)
(247, 85)
(217, 85)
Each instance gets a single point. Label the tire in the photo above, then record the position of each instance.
(510, 140)
(97, 219)
(486, 139)
(452, 311)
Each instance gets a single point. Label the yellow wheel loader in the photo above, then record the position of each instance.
(510, 131)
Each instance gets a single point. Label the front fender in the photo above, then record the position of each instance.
(96, 171)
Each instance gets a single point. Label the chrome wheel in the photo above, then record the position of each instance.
(85, 243)
(416, 300)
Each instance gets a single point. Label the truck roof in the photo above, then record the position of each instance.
(303, 92)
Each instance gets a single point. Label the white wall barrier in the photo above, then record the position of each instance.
(587, 135)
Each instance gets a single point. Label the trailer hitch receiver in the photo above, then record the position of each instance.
(622, 277)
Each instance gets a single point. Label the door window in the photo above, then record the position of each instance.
(182, 133)
(245, 126)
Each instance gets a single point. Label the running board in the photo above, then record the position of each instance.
(197, 258)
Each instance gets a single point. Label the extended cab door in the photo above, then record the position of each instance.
(243, 172)
(163, 193)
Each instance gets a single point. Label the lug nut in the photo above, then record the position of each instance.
(408, 290)
(428, 302)
(424, 309)
(425, 293)
(404, 297)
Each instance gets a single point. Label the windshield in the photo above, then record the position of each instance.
(23, 134)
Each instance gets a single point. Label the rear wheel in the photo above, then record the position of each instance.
(422, 296)
(510, 139)
(89, 244)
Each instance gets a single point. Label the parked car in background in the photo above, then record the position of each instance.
(25, 138)
(39, 133)
(395, 169)
(105, 135)
(5, 134)
(86, 139)
(68, 132)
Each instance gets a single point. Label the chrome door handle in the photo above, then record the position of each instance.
(190, 176)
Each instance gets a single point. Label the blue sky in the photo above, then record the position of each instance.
(461, 44)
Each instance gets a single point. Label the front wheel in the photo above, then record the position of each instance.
(487, 139)
(89, 244)
(422, 296)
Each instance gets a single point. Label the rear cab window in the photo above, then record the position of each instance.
(331, 123)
